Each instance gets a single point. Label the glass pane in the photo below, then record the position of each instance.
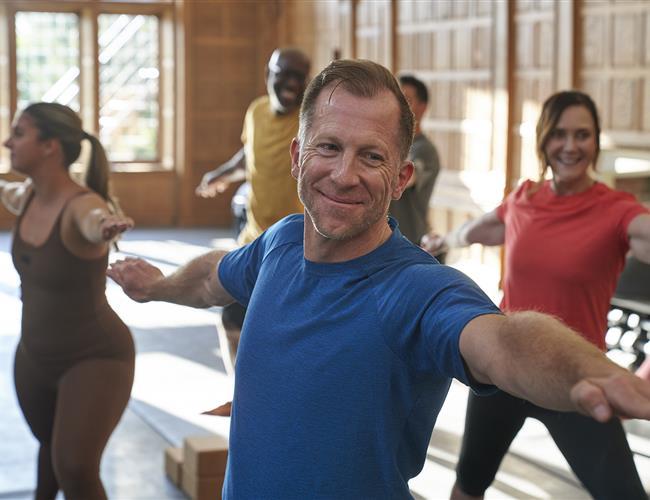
(47, 58)
(129, 86)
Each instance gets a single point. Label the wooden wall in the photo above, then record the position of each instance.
(372, 31)
(533, 79)
(325, 39)
(615, 68)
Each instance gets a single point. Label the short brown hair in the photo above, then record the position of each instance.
(360, 78)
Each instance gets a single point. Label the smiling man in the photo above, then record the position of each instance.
(271, 122)
(353, 334)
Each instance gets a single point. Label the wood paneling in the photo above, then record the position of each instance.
(534, 75)
(320, 28)
(450, 46)
(373, 31)
(148, 197)
(615, 70)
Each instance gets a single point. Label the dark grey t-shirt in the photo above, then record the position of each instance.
(411, 209)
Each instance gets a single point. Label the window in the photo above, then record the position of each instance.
(128, 86)
(104, 59)
(47, 58)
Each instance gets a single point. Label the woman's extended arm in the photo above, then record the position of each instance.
(487, 230)
(95, 222)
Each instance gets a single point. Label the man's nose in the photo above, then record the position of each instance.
(345, 172)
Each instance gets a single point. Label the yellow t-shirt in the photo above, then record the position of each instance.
(274, 192)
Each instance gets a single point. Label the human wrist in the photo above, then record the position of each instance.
(457, 238)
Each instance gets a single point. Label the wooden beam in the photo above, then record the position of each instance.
(504, 88)
(353, 18)
(565, 50)
(392, 42)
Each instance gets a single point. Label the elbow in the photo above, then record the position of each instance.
(643, 257)
(211, 295)
(640, 249)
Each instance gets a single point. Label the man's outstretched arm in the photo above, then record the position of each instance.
(217, 181)
(195, 284)
(536, 357)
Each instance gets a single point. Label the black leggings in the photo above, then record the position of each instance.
(598, 453)
(72, 413)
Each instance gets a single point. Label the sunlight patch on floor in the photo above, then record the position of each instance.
(177, 387)
(155, 314)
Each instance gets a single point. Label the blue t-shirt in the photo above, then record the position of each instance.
(341, 368)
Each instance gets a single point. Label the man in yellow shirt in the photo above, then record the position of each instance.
(270, 124)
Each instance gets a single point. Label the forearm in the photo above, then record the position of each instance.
(195, 284)
(233, 167)
(541, 360)
(486, 230)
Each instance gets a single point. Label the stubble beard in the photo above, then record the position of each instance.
(344, 234)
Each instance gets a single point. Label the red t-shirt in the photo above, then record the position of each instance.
(564, 254)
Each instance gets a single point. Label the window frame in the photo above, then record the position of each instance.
(88, 12)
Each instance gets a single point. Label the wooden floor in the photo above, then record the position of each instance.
(179, 373)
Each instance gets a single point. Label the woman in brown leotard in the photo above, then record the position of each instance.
(74, 363)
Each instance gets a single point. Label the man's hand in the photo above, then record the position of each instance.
(622, 394)
(136, 277)
(112, 225)
(211, 186)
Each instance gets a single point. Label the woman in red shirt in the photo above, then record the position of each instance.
(565, 244)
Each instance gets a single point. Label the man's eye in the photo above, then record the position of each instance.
(374, 157)
(328, 147)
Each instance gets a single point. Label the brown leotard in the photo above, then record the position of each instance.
(74, 363)
(66, 316)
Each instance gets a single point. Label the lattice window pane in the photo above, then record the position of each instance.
(129, 83)
(47, 58)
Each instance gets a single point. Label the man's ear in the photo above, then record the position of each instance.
(403, 176)
(295, 158)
